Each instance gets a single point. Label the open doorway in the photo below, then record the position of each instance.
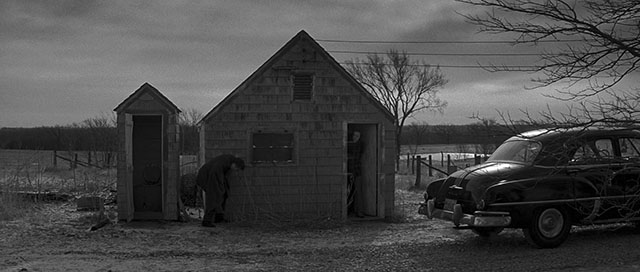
(362, 170)
(147, 165)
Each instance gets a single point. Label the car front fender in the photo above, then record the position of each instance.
(434, 187)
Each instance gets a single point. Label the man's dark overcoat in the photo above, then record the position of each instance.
(212, 178)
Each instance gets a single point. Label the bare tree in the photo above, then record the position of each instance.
(599, 47)
(403, 86)
(600, 38)
(190, 117)
(188, 122)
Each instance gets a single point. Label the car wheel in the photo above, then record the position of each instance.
(487, 232)
(549, 227)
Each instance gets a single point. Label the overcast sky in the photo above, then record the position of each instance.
(62, 62)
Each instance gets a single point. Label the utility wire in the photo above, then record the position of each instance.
(443, 42)
(523, 68)
(520, 68)
(438, 54)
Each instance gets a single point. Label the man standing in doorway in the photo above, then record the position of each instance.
(355, 149)
(212, 179)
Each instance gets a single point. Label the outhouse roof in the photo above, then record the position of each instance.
(302, 35)
(146, 88)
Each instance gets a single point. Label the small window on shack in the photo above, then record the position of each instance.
(302, 86)
(272, 147)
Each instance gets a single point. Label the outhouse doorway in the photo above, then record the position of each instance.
(147, 165)
(364, 193)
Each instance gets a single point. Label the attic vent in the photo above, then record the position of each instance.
(302, 86)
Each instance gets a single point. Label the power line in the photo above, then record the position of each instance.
(438, 54)
(519, 68)
(442, 42)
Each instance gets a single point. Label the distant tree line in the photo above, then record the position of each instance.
(484, 132)
(99, 134)
(94, 134)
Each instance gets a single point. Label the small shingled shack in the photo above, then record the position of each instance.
(148, 156)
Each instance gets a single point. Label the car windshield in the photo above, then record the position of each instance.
(521, 150)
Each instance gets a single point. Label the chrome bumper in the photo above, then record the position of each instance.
(455, 215)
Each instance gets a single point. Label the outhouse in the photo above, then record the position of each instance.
(148, 156)
(292, 121)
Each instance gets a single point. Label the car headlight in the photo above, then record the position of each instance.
(480, 205)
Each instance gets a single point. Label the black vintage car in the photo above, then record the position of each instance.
(544, 182)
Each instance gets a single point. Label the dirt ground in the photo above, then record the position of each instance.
(61, 240)
(57, 238)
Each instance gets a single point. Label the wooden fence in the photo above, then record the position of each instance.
(43, 159)
(416, 163)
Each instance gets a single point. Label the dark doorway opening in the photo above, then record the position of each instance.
(147, 163)
(362, 168)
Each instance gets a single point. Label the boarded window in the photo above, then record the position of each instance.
(302, 86)
(272, 147)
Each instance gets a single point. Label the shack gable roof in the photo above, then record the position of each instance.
(301, 36)
(145, 90)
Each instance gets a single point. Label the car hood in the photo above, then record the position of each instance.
(489, 169)
(476, 179)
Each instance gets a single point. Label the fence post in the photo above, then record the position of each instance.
(441, 158)
(430, 170)
(75, 160)
(476, 159)
(55, 159)
(413, 163)
(418, 174)
(408, 161)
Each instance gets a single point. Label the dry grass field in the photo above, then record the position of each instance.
(27, 176)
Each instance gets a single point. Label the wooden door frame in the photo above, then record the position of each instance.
(379, 198)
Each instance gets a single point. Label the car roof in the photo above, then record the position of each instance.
(551, 134)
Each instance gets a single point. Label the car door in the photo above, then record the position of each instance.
(594, 163)
(627, 178)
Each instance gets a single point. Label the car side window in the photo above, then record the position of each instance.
(593, 151)
(584, 153)
(629, 148)
(604, 148)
